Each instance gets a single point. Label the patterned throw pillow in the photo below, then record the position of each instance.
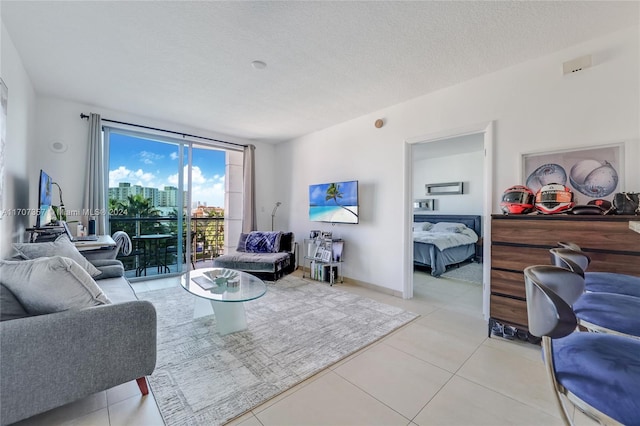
(263, 242)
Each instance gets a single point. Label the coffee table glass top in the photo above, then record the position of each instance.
(223, 285)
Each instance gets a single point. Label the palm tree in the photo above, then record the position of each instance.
(140, 206)
(333, 192)
(117, 207)
(134, 206)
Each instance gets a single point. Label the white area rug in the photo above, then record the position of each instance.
(297, 329)
(471, 272)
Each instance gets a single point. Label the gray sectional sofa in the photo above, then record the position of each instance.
(272, 259)
(50, 359)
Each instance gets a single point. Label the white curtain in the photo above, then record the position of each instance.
(94, 191)
(248, 193)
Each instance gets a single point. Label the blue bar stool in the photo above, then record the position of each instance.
(603, 312)
(597, 372)
(600, 282)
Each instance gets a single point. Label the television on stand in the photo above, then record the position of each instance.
(45, 215)
(335, 202)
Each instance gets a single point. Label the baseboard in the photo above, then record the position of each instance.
(355, 282)
(373, 287)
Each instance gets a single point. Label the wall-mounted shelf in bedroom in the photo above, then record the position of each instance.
(444, 188)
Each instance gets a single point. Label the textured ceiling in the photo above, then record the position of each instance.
(327, 62)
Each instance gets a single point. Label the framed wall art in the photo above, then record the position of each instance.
(444, 188)
(424, 204)
(591, 173)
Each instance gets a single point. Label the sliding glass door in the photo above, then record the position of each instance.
(166, 194)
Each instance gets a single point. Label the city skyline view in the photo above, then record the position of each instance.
(155, 164)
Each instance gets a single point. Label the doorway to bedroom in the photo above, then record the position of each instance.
(458, 163)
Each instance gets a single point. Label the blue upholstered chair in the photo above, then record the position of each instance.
(603, 312)
(599, 373)
(601, 282)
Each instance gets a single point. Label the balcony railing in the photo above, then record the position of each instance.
(155, 243)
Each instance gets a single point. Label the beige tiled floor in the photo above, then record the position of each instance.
(439, 370)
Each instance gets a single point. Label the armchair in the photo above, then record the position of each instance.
(276, 261)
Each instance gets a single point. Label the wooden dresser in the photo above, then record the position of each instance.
(518, 241)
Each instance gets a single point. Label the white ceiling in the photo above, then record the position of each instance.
(327, 62)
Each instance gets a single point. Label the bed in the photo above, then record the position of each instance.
(443, 248)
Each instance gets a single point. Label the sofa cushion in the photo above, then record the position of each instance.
(51, 284)
(242, 242)
(10, 307)
(286, 241)
(263, 242)
(118, 290)
(258, 262)
(110, 268)
(60, 247)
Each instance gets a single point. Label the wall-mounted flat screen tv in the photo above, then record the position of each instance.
(46, 215)
(335, 202)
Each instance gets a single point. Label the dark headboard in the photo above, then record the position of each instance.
(470, 221)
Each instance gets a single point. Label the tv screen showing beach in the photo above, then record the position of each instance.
(46, 214)
(335, 202)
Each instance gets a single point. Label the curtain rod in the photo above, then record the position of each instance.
(86, 117)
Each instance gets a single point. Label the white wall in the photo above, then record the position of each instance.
(59, 120)
(534, 106)
(466, 168)
(21, 118)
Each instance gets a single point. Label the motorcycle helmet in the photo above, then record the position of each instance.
(605, 205)
(517, 199)
(554, 198)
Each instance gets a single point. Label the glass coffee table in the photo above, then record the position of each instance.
(222, 292)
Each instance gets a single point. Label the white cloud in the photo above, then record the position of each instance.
(149, 157)
(203, 189)
(118, 175)
(211, 192)
(145, 178)
(138, 177)
(174, 155)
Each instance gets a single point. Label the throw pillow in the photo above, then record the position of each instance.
(51, 284)
(242, 242)
(60, 247)
(263, 242)
(422, 226)
(286, 241)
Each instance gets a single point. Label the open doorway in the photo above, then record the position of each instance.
(463, 155)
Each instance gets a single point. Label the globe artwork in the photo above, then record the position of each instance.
(593, 178)
(545, 175)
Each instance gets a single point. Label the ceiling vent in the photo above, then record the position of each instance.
(577, 64)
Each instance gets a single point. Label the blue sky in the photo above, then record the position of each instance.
(349, 190)
(155, 164)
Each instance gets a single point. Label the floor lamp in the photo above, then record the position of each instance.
(273, 213)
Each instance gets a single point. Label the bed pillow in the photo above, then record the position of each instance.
(448, 227)
(62, 246)
(51, 284)
(422, 226)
